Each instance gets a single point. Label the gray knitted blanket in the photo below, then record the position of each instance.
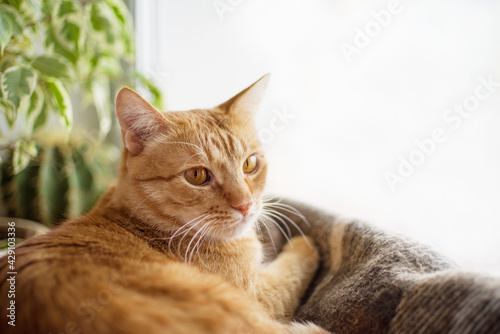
(373, 282)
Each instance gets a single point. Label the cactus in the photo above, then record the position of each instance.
(62, 181)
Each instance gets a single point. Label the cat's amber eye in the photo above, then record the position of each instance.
(197, 175)
(250, 164)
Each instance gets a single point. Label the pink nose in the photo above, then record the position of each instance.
(243, 208)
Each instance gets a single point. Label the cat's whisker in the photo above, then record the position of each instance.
(190, 223)
(187, 233)
(188, 226)
(262, 220)
(273, 214)
(177, 233)
(161, 227)
(277, 225)
(209, 242)
(289, 209)
(197, 245)
(200, 230)
(204, 231)
(191, 157)
(200, 149)
(259, 230)
(269, 197)
(137, 207)
(293, 223)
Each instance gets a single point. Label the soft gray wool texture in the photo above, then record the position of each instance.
(370, 281)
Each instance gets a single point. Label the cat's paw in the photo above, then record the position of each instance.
(304, 246)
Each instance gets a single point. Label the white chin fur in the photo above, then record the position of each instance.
(234, 232)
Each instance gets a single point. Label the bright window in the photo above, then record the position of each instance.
(393, 106)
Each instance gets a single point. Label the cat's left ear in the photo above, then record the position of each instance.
(248, 101)
(138, 119)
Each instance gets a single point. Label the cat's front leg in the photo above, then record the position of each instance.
(283, 282)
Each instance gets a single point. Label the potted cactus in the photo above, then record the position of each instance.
(63, 180)
(61, 63)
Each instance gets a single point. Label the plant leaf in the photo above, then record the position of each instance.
(51, 40)
(14, 17)
(98, 17)
(48, 6)
(9, 112)
(18, 83)
(15, 3)
(6, 30)
(35, 107)
(23, 152)
(6, 62)
(66, 7)
(83, 184)
(42, 117)
(25, 183)
(53, 188)
(62, 101)
(52, 66)
(68, 21)
(100, 92)
(157, 98)
(32, 10)
(120, 10)
(109, 66)
(71, 33)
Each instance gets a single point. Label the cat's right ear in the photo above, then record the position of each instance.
(247, 102)
(138, 119)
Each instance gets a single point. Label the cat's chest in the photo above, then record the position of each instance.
(237, 262)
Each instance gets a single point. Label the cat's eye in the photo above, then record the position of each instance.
(250, 164)
(197, 176)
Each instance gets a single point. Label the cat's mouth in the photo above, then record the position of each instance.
(236, 229)
(221, 226)
(238, 226)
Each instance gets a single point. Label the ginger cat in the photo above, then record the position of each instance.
(172, 248)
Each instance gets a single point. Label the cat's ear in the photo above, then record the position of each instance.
(247, 102)
(138, 119)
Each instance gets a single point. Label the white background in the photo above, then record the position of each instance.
(353, 120)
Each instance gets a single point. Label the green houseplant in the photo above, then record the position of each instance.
(60, 60)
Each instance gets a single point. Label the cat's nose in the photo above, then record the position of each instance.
(243, 208)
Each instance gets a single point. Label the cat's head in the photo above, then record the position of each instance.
(201, 171)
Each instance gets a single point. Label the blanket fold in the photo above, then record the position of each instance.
(373, 282)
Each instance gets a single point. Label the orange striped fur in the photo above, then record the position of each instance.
(158, 254)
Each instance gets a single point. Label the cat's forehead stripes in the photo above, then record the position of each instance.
(214, 132)
(221, 144)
